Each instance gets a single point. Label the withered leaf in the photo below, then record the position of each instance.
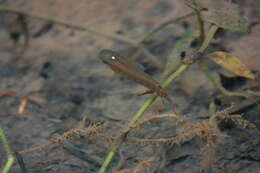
(231, 63)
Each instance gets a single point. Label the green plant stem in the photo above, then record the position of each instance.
(10, 157)
(141, 111)
(209, 37)
(197, 10)
(139, 115)
(153, 97)
(201, 26)
(216, 82)
(212, 108)
(167, 82)
(255, 94)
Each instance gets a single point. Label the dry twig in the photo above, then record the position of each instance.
(24, 100)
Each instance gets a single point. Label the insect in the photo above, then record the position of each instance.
(126, 68)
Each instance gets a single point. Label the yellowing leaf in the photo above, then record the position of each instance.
(231, 63)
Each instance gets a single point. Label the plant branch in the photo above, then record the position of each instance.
(200, 21)
(217, 83)
(201, 26)
(212, 31)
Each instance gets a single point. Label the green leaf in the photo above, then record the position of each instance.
(174, 58)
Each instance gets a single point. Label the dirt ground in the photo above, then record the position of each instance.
(61, 67)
